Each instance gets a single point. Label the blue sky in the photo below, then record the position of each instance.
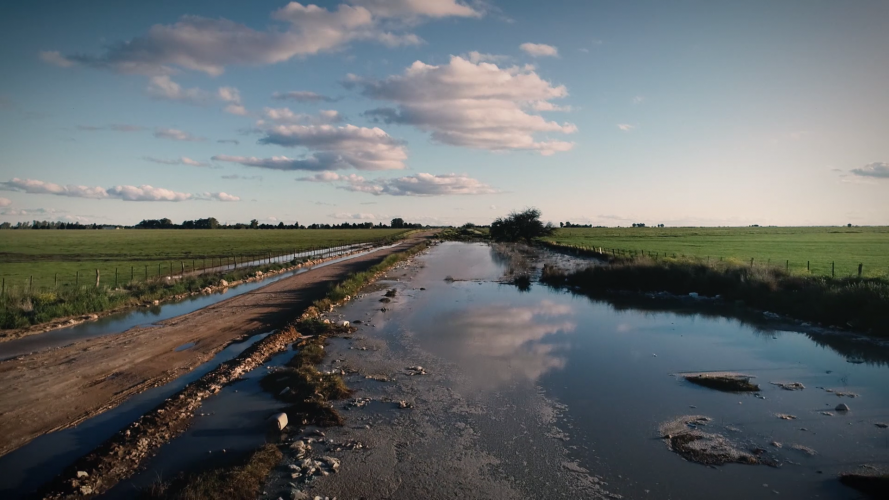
(446, 111)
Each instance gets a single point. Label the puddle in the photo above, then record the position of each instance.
(183, 347)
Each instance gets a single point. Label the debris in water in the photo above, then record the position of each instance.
(723, 381)
(790, 386)
(685, 437)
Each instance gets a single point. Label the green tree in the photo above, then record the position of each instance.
(525, 225)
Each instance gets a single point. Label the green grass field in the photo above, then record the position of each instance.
(43, 254)
(820, 246)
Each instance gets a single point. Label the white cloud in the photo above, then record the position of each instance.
(209, 45)
(302, 96)
(285, 115)
(221, 196)
(176, 135)
(414, 185)
(162, 87)
(127, 193)
(330, 148)
(242, 177)
(408, 9)
(232, 96)
(879, 170)
(539, 50)
(626, 127)
(33, 186)
(359, 216)
(182, 160)
(55, 58)
(476, 57)
(5, 202)
(476, 105)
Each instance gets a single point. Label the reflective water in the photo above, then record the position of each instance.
(614, 370)
(120, 322)
(27, 468)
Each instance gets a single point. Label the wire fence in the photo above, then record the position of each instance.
(813, 267)
(170, 268)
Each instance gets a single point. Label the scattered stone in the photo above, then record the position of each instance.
(841, 394)
(776, 444)
(82, 473)
(86, 490)
(723, 381)
(279, 420)
(416, 370)
(842, 407)
(784, 416)
(790, 386)
(827, 413)
(391, 293)
(805, 449)
(882, 425)
(683, 436)
(405, 405)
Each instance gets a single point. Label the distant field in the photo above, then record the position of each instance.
(45, 253)
(846, 247)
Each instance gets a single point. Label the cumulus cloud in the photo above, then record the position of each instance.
(413, 185)
(539, 50)
(329, 148)
(162, 87)
(626, 127)
(33, 186)
(879, 170)
(229, 141)
(476, 105)
(5, 202)
(285, 115)
(182, 160)
(209, 45)
(302, 96)
(144, 192)
(176, 135)
(232, 96)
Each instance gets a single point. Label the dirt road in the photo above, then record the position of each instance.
(58, 388)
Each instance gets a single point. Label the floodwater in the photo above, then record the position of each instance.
(613, 370)
(120, 322)
(603, 373)
(28, 467)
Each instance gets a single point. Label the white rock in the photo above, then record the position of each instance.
(280, 420)
(842, 407)
(82, 473)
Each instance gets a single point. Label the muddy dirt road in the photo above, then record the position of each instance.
(54, 389)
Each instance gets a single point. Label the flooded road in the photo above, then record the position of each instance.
(610, 378)
(542, 393)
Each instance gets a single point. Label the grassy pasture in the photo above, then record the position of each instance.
(846, 247)
(45, 253)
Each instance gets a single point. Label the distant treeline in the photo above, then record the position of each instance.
(208, 223)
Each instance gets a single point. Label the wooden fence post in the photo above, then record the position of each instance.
(97, 278)
(56, 281)
(808, 267)
(132, 273)
(787, 266)
(833, 269)
(30, 284)
(751, 261)
(859, 269)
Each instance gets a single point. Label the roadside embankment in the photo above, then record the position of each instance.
(860, 304)
(122, 454)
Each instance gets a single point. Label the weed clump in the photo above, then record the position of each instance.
(243, 482)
